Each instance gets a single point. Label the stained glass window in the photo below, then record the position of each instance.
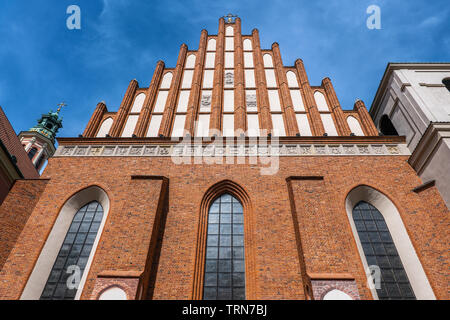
(380, 250)
(224, 265)
(74, 253)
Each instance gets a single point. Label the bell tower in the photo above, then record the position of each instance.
(39, 141)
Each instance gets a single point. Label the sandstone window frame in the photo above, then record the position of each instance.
(379, 247)
(416, 274)
(47, 257)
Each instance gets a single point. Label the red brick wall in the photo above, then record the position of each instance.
(326, 238)
(14, 212)
(15, 148)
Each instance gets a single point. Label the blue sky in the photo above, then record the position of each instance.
(43, 63)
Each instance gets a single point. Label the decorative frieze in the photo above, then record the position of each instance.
(214, 150)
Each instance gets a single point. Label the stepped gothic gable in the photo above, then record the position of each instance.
(230, 176)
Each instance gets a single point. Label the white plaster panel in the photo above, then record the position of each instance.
(328, 124)
(248, 59)
(104, 128)
(228, 100)
(183, 100)
(178, 125)
(297, 100)
(292, 79)
(210, 57)
(321, 101)
(211, 45)
(187, 79)
(278, 125)
(303, 124)
(229, 59)
(228, 125)
(229, 43)
(354, 125)
(130, 125)
(247, 44)
(202, 125)
(208, 79)
(249, 78)
(190, 61)
(166, 80)
(161, 101)
(274, 100)
(270, 78)
(138, 102)
(253, 125)
(153, 128)
(268, 63)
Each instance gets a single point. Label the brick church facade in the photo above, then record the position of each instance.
(296, 202)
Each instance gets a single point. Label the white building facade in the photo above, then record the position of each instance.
(413, 100)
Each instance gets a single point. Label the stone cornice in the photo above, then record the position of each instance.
(397, 66)
(430, 140)
(282, 140)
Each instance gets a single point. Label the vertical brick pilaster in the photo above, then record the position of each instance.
(367, 123)
(95, 121)
(261, 85)
(149, 101)
(216, 101)
(341, 123)
(194, 96)
(311, 108)
(124, 109)
(240, 118)
(286, 100)
(167, 119)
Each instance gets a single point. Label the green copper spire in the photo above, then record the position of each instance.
(49, 124)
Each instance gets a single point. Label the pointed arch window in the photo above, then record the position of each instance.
(379, 249)
(74, 252)
(224, 264)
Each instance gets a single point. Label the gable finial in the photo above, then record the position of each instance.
(230, 18)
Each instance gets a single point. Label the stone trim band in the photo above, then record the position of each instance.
(214, 150)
